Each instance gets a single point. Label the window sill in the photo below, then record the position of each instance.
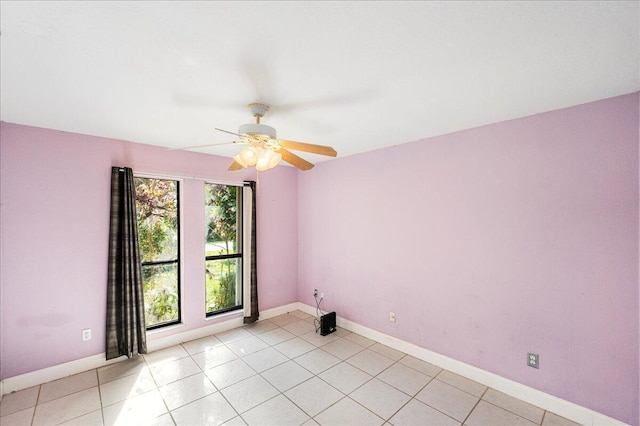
(237, 312)
(164, 329)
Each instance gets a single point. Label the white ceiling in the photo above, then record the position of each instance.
(354, 75)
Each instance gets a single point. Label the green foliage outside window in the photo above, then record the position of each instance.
(157, 211)
(222, 274)
(220, 284)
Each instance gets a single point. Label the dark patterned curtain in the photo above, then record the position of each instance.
(251, 312)
(126, 330)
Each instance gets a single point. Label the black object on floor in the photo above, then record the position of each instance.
(328, 323)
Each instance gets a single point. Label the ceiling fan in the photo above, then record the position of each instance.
(265, 150)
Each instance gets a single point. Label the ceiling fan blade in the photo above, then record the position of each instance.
(231, 133)
(294, 160)
(308, 147)
(205, 146)
(235, 166)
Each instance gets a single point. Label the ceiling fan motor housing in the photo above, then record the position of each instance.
(257, 129)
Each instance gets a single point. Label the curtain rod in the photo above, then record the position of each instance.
(176, 177)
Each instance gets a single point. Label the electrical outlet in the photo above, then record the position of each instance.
(533, 360)
(86, 334)
(392, 316)
(315, 292)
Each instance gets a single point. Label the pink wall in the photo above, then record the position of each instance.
(55, 211)
(487, 243)
(491, 242)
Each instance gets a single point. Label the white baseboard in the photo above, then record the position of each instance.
(533, 396)
(44, 375)
(274, 312)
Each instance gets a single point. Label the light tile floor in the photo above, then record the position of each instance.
(274, 372)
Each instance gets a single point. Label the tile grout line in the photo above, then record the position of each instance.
(422, 402)
(543, 416)
(509, 411)
(346, 395)
(475, 406)
(218, 390)
(35, 407)
(35, 410)
(100, 397)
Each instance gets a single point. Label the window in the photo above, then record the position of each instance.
(223, 248)
(159, 240)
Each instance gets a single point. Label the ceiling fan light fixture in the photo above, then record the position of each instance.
(238, 160)
(248, 156)
(267, 159)
(275, 159)
(262, 166)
